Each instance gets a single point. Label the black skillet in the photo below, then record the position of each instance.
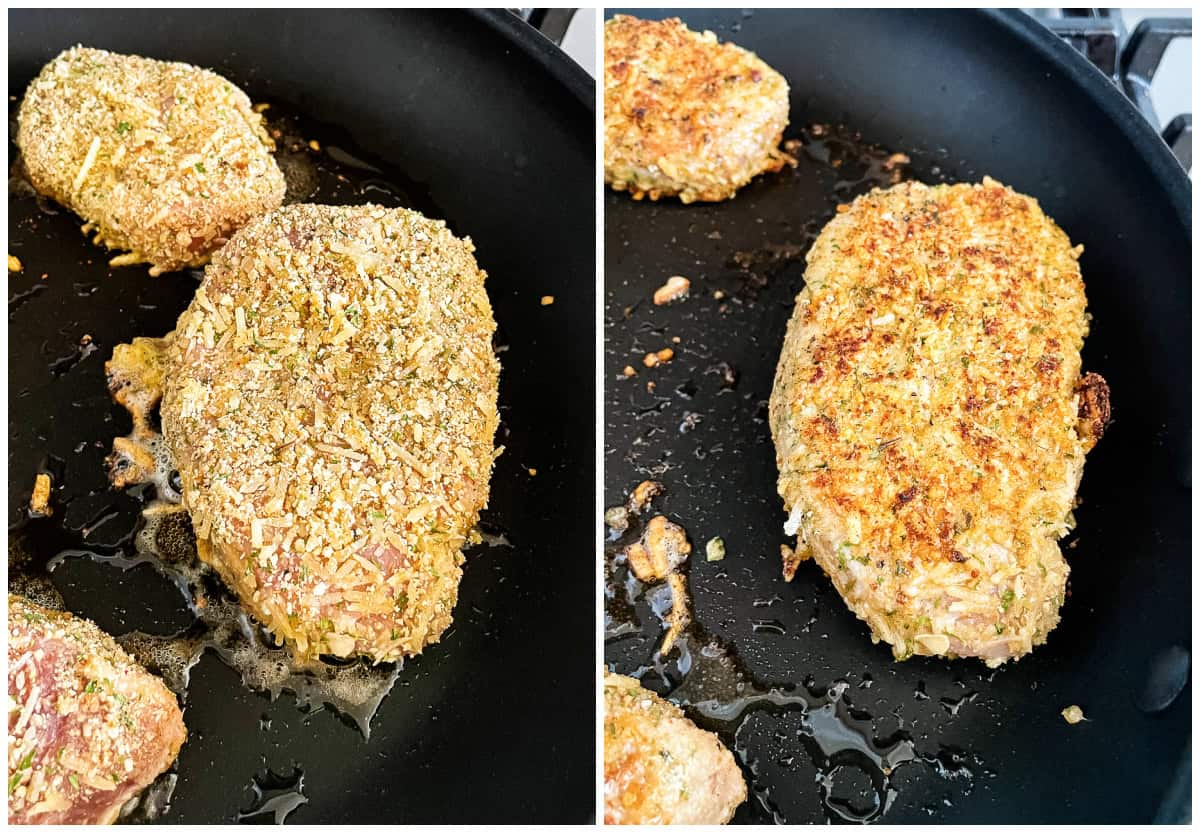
(472, 117)
(964, 94)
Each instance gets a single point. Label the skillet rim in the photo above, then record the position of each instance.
(544, 52)
(1164, 167)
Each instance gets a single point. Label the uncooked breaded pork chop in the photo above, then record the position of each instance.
(164, 160)
(330, 402)
(88, 728)
(930, 420)
(685, 115)
(659, 767)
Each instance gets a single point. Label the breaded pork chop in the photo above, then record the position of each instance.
(659, 768)
(929, 418)
(164, 160)
(88, 728)
(330, 402)
(685, 115)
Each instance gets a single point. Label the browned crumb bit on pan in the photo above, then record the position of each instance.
(547, 300)
(792, 559)
(642, 494)
(661, 550)
(658, 555)
(616, 518)
(675, 289)
(655, 359)
(1095, 408)
(39, 501)
(14, 264)
(164, 160)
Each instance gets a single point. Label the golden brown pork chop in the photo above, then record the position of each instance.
(930, 420)
(685, 115)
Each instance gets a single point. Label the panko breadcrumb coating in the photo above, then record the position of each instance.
(330, 402)
(88, 728)
(659, 767)
(685, 115)
(930, 420)
(163, 160)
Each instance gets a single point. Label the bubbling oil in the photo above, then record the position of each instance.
(166, 540)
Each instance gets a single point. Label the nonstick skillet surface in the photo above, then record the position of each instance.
(963, 94)
(470, 117)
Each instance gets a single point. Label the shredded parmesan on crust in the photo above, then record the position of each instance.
(128, 144)
(333, 482)
(925, 415)
(685, 115)
(92, 727)
(659, 767)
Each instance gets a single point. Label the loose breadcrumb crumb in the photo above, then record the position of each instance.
(39, 502)
(675, 289)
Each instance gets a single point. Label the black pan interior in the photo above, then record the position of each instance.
(470, 117)
(964, 94)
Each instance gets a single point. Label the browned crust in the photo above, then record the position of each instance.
(685, 115)
(659, 767)
(927, 415)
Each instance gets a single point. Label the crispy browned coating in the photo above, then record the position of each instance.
(88, 728)
(685, 115)
(164, 160)
(330, 402)
(926, 415)
(659, 768)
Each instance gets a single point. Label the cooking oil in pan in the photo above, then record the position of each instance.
(275, 796)
(329, 171)
(151, 803)
(799, 725)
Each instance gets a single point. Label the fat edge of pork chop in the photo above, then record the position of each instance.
(929, 416)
